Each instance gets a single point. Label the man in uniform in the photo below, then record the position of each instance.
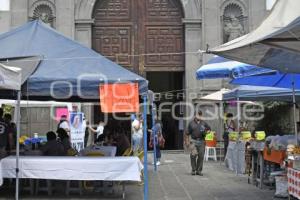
(195, 141)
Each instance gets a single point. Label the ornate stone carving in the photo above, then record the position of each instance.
(233, 21)
(43, 10)
(233, 29)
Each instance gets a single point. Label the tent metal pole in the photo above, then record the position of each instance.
(145, 150)
(238, 130)
(18, 144)
(221, 129)
(294, 110)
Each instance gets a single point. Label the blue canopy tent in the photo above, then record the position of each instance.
(275, 80)
(261, 93)
(67, 70)
(219, 67)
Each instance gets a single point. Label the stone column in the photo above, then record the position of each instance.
(193, 37)
(65, 12)
(19, 12)
(257, 13)
(83, 31)
(5, 17)
(83, 35)
(212, 32)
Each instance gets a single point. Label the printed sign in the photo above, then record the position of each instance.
(120, 97)
(77, 130)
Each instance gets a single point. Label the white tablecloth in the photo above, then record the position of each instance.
(235, 157)
(107, 150)
(73, 168)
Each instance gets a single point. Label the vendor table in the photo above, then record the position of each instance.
(73, 168)
(235, 157)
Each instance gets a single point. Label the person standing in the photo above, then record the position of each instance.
(229, 126)
(3, 135)
(137, 136)
(99, 132)
(64, 123)
(159, 140)
(11, 132)
(195, 141)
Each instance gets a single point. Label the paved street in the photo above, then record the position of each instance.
(174, 182)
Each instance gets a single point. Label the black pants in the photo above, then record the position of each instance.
(226, 142)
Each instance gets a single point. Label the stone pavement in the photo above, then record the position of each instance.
(174, 182)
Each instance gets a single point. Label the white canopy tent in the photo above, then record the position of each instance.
(274, 44)
(216, 96)
(11, 79)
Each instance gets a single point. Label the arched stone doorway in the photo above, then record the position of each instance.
(147, 37)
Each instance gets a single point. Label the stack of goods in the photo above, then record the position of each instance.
(294, 182)
(233, 136)
(31, 143)
(277, 147)
(280, 142)
(246, 136)
(211, 139)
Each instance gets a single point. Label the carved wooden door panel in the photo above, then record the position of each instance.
(143, 35)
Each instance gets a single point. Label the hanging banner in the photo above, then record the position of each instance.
(60, 112)
(77, 130)
(119, 97)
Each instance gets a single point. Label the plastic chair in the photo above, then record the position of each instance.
(210, 152)
(127, 152)
(141, 155)
(95, 154)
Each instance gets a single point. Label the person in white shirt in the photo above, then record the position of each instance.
(63, 123)
(137, 136)
(99, 132)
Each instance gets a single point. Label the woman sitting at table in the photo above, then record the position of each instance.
(52, 147)
(122, 143)
(64, 139)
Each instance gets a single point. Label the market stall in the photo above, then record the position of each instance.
(268, 155)
(67, 72)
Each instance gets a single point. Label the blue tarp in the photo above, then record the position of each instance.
(219, 67)
(273, 80)
(260, 93)
(68, 70)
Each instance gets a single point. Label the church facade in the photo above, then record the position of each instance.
(158, 39)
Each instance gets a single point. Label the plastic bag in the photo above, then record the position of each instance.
(281, 186)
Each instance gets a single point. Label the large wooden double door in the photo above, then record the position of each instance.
(143, 35)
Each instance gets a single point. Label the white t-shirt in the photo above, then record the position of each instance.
(64, 125)
(99, 130)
